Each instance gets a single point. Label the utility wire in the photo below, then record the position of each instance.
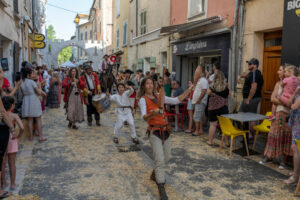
(65, 8)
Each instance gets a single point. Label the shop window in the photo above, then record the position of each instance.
(118, 37)
(273, 42)
(124, 33)
(143, 22)
(195, 8)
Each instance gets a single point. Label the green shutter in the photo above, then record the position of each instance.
(153, 62)
(140, 63)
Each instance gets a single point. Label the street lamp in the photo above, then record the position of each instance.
(77, 19)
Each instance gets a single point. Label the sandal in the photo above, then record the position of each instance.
(209, 144)
(5, 195)
(292, 180)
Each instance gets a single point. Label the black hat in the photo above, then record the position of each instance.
(139, 70)
(253, 61)
(105, 55)
(86, 67)
(152, 68)
(128, 71)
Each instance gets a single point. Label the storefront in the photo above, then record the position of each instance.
(188, 54)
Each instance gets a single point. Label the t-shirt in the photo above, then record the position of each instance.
(202, 84)
(253, 77)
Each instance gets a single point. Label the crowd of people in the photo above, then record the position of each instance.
(207, 97)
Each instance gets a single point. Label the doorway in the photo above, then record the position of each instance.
(271, 64)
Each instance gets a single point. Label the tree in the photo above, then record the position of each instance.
(64, 55)
(51, 33)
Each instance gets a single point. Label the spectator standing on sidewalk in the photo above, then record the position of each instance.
(251, 90)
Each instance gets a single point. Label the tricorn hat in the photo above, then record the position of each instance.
(128, 71)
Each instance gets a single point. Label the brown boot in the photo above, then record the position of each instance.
(162, 191)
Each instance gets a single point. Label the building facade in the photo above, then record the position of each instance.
(21, 19)
(200, 34)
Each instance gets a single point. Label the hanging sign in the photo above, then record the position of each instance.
(113, 58)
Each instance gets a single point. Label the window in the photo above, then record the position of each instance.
(118, 37)
(16, 6)
(196, 7)
(118, 8)
(91, 35)
(85, 36)
(124, 33)
(143, 22)
(81, 36)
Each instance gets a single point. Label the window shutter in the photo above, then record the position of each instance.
(118, 38)
(153, 62)
(125, 34)
(140, 63)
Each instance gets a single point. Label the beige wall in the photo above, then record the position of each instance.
(260, 16)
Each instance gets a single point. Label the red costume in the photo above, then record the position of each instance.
(67, 86)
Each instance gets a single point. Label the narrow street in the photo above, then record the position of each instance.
(85, 164)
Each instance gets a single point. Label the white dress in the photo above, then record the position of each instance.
(31, 106)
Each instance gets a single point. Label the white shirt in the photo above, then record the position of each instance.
(122, 100)
(202, 84)
(90, 82)
(168, 100)
(211, 78)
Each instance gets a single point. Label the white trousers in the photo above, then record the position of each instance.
(121, 118)
(161, 154)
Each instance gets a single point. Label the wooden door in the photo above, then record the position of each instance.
(271, 65)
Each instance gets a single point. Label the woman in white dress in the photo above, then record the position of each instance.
(31, 107)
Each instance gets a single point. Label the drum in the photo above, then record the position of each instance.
(101, 103)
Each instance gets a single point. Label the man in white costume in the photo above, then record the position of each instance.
(124, 111)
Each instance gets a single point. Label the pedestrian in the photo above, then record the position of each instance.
(73, 98)
(53, 94)
(215, 67)
(176, 89)
(6, 128)
(294, 122)
(289, 83)
(200, 99)
(12, 147)
(217, 104)
(31, 106)
(190, 109)
(92, 88)
(152, 111)
(124, 111)
(167, 82)
(251, 90)
(279, 139)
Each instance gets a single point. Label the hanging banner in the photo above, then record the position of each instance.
(291, 33)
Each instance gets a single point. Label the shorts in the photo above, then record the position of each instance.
(212, 114)
(251, 107)
(199, 112)
(190, 106)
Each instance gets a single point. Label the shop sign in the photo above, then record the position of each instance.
(195, 45)
(291, 32)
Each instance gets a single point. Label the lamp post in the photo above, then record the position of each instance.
(77, 21)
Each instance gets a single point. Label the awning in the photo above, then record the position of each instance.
(190, 25)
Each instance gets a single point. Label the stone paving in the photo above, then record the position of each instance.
(85, 164)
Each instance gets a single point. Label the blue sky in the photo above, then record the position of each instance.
(63, 20)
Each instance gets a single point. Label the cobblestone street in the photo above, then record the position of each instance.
(85, 164)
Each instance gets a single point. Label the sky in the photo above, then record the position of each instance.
(62, 20)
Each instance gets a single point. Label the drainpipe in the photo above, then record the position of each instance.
(240, 35)
(136, 17)
(233, 45)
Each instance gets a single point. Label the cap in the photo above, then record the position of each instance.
(253, 61)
